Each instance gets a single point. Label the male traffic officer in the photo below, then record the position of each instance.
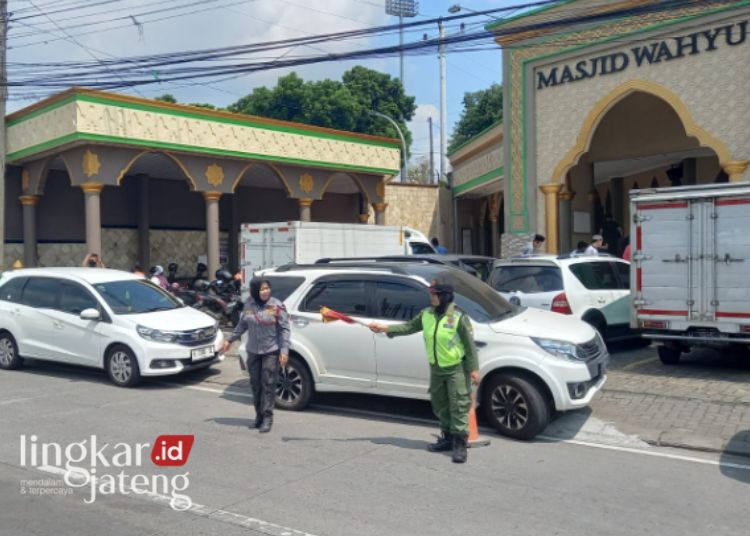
(454, 365)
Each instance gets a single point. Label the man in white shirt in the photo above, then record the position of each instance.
(597, 242)
(533, 246)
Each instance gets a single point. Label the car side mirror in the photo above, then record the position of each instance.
(90, 314)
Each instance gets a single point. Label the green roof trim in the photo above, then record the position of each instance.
(474, 137)
(191, 114)
(156, 145)
(478, 181)
(492, 25)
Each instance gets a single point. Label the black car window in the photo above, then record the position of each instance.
(527, 279)
(41, 292)
(346, 297)
(74, 299)
(482, 268)
(11, 291)
(282, 287)
(400, 302)
(623, 270)
(420, 248)
(595, 275)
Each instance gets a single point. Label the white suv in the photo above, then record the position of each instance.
(532, 362)
(594, 289)
(105, 319)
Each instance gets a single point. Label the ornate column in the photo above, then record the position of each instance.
(212, 230)
(735, 169)
(305, 209)
(566, 220)
(144, 237)
(380, 212)
(364, 218)
(550, 192)
(29, 203)
(92, 192)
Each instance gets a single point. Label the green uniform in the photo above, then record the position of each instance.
(452, 356)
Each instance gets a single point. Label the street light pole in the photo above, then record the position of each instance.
(400, 135)
(444, 133)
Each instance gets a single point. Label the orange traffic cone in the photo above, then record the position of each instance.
(474, 439)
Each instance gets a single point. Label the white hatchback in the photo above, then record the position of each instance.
(101, 318)
(532, 363)
(594, 289)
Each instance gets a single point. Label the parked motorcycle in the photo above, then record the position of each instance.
(221, 299)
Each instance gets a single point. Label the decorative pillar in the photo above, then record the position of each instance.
(212, 230)
(566, 220)
(550, 192)
(144, 237)
(234, 234)
(364, 218)
(29, 203)
(380, 212)
(305, 209)
(92, 192)
(735, 169)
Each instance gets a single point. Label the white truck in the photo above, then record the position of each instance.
(266, 245)
(690, 270)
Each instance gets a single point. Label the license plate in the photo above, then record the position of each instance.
(202, 353)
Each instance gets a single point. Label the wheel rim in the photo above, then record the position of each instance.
(290, 386)
(7, 352)
(510, 407)
(121, 367)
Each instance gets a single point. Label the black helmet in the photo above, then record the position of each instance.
(223, 274)
(172, 267)
(201, 267)
(201, 284)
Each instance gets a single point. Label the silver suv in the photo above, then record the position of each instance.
(532, 362)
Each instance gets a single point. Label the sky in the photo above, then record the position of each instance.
(71, 36)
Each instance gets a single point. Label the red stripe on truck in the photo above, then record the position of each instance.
(662, 312)
(638, 279)
(726, 202)
(720, 314)
(654, 206)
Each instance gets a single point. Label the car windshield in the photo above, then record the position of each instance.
(478, 299)
(527, 279)
(135, 297)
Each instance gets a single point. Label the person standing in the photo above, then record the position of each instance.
(267, 322)
(442, 250)
(157, 277)
(597, 243)
(454, 365)
(92, 260)
(533, 246)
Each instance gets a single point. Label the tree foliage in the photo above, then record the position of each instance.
(481, 109)
(167, 97)
(419, 172)
(343, 105)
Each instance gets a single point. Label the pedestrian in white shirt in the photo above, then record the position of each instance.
(597, 243)
(533, 246)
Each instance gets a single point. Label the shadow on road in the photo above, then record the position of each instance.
(399, 442)
(738, 445)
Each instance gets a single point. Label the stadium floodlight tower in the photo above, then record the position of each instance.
(401, 9)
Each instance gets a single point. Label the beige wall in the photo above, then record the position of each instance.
(412, 205)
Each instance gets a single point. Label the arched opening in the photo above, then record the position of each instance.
(343, 199)
(638, 138)
(262, 194)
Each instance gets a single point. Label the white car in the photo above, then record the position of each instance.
(595, 289)
(532, 362)
(101, 318)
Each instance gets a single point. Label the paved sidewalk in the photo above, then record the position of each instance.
(703, 403)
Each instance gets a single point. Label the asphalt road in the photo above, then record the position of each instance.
(336, 471)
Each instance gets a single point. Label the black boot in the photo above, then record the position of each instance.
(265, 426)
(444, 442)
(459, 449)
(258, 422)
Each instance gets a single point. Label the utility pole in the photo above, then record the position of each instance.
(444, 134)
(432, 154)
(3, 97)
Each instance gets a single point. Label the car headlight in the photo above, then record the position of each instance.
(156, 335)
(563, 349)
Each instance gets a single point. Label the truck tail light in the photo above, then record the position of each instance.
(560, 305)
(745, 328)
(654, 324)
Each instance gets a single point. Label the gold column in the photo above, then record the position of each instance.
(92, 198)
(212, 231)
(550, 192)
(305, 210)
(735, 169)
(364, 218)
(380, 212)
(29, 228)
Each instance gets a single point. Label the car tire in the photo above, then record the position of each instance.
(9, 358)
(515, 406)
(669, 355)
(295, 387)
(597, 322)
(122, 367)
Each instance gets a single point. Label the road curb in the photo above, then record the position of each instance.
(702, 444)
